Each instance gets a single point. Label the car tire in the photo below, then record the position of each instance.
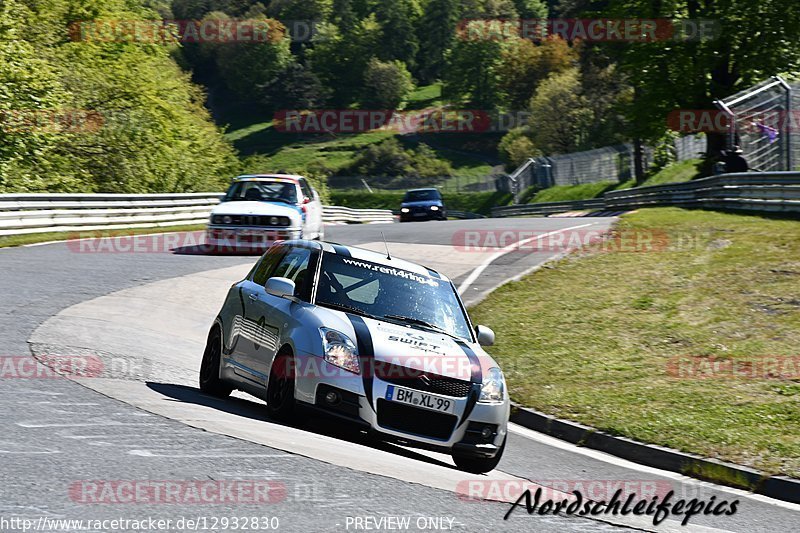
(210, 382)
(479, 465)
(280, 387)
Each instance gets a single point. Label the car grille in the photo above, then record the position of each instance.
(422, 381)
(415, 421)
(250, 220)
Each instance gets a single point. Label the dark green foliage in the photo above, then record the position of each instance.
(389, 158)
(147, 129)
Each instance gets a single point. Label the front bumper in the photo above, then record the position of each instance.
(248, 237)
(464, 435)
(422, 213)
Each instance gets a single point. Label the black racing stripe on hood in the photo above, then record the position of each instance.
(476, 378)
(341, 250)
(366, 354)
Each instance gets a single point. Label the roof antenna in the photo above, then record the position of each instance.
(389, 257)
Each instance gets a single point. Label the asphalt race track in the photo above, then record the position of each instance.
(145, 315)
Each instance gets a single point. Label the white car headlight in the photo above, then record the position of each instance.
(339, 350)
(227, 220)
(434, 208)
(404, 210)
(494, 386)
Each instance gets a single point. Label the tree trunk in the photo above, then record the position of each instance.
(638, 163)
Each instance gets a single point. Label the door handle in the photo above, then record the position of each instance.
(253, 296)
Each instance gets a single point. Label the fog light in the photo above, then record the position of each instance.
(332, 397)
(486, 432)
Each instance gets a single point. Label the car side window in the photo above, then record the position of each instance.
(267, 265)
(294, 266)
(306, 188)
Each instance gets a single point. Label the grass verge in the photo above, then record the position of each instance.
(34, 238)
(605, 338)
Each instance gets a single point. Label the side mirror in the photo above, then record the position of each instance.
(306, 200)
(280, 287)
(485, 335)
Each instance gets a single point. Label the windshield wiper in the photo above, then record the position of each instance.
(347, 308)
(419, 322)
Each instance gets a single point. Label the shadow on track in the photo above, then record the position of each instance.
(308, 421)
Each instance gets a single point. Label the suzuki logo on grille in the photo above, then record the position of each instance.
(425, 380)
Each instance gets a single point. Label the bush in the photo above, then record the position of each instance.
(386, 84)
(389, 158)
(516, 147)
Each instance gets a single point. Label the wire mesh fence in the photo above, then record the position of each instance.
(451, 184)
(760, 122)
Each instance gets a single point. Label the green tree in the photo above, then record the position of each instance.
(753, 40)
(386, 84)
(472, 74)
(531, 9)
(398, 37)
(560, 118)
(244, 66)
(340, 59)
(437, 31)
(524, 64)
(295, 87)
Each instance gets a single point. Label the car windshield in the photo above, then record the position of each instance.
(419, 196)
(263, 191)
(391, 293)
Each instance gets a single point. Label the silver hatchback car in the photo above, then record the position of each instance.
(378, 341)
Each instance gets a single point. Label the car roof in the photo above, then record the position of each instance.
(368, 255)
(424, 189)
(268, 177)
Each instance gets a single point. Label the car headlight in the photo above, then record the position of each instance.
(339, 350)
(494, 386)
(404, 210)
(227, 220)
(434, 208)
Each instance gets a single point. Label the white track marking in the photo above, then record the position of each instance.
(624, 463)
(503, 251)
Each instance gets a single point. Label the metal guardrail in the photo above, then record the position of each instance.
(546, 208)
(333, 213)
(749, 191)
(51, 213)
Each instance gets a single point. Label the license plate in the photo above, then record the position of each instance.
(420, 214)
(420, 399)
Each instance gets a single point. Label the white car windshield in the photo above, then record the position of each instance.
(392, 294)
(262, 191)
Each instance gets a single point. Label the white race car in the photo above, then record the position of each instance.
(378, 341)
(260, 209)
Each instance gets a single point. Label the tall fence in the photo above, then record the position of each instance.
(611, 163)
(22, 214)
(767, 192)
(761, 124)
(450, 184)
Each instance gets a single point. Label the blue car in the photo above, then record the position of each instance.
(422, 204)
